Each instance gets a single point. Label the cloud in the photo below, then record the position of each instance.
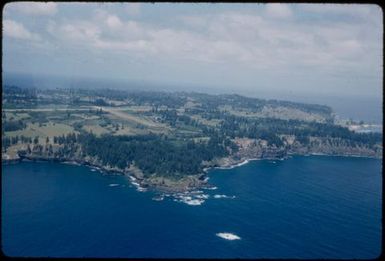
(267, 39)
(80, 33)
(113, 22)
(277, 46)
(227, 37)
(33, 8)
(278, 11)
(17, 30)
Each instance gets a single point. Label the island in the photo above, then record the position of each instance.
(168, 140)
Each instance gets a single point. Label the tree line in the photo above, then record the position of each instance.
(151, 153)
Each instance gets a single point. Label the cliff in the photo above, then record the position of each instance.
(247, 149)
(259, 149)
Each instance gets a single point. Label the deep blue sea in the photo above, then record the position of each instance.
(303, 207)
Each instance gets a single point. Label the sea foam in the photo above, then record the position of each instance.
(223, 196)
(235, 165)
(228, 236)
(192, 198)
(193, 202)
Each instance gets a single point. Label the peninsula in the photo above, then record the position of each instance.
(167, 140)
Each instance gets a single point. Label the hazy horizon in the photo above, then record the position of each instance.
(316, 53)
(345, 108)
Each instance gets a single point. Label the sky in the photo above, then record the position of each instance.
(328, 50)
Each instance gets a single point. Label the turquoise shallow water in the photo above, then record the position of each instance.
(303, 207)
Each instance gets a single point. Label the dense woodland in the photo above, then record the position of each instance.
(151, 153)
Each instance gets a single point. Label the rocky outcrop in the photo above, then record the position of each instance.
(254, 148)
(8, 160)
(330, 146)
(167, 184)
(257, 149)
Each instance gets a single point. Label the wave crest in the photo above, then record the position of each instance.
(228, 236)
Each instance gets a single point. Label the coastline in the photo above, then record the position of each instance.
(135, 175)
(164, 184)
(334, 155)
(243, 162)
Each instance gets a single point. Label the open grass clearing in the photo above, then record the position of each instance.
(142, 120)
(211, 123)
(17, 116)
(49, 129)
(95, 129)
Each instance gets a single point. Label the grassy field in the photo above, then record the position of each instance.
(191, 104)
(279, 112)
(95, 129)
(143, 108)
(135, 122)
(49, 129)
(212, 122)
(17, 116)
(125, 115)
(49, 122)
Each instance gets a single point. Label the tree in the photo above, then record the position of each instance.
(50, 149)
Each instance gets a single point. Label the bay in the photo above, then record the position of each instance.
(303, 207)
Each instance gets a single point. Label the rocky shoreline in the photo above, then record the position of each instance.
(189, 182)
(158, 183)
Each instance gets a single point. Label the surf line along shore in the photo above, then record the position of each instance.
(187, 183)
(160, 183)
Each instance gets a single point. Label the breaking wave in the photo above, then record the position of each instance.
(193, 198)
(228, 236)
(223, 196)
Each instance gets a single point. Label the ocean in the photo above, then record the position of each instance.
(302, 207)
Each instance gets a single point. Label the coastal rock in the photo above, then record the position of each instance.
(257, 149)
(332, 146)
(166, 184)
